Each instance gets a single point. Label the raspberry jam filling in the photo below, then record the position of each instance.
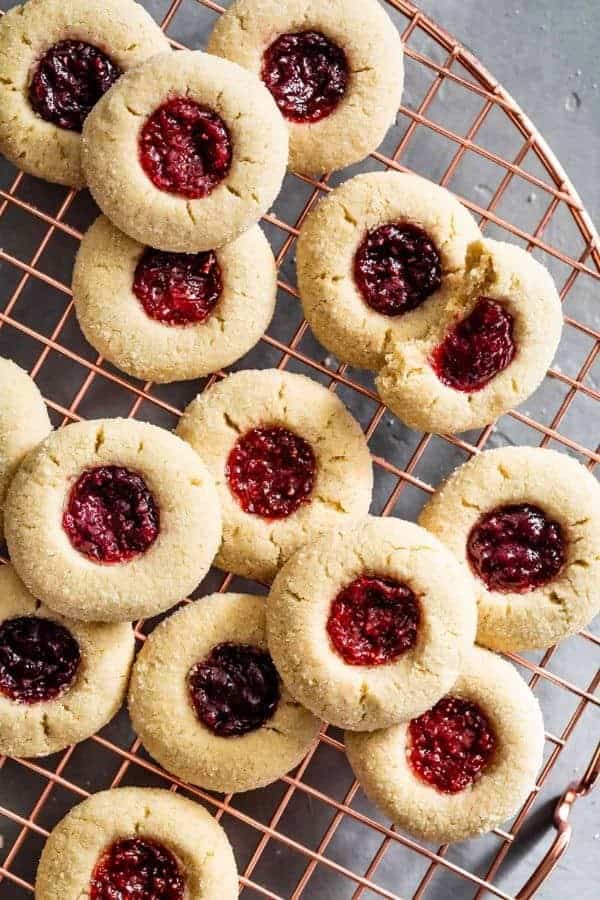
(68, 81)
(450, 745)
(271, 472)
(111, 516)
(477, 349)
(307, 75)
(516, 548)
(137, 869)
(38, 659)
(396, 268)
(178, 288)
(185, 148)
(235, 689)
(373, 621)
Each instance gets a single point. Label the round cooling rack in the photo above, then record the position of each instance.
(313, 834)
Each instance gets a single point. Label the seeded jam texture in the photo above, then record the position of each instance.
(178, 288)
(39, 659)
(271, 471)
(451, 744)
(111, 515)
(373, 621)
(396, 268)
(516, 548)
(235, 689)
(306, 73)
(477, 349)
(137, 869)
(68, 81)
(185, 148)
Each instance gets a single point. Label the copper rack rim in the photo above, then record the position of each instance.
(459, 68)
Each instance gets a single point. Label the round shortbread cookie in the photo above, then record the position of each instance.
(144, 835)
(49, 78)
(488, 353)
(186, 152)
(335, 69)
(535, 568)
(112, 520)
(169, 317)
(377, 260)
(24, 422)
(369, 625)
(489, 691)
(60, 680)
(289, 462)
(239, 729)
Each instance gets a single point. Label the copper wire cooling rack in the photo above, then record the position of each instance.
(313, 834)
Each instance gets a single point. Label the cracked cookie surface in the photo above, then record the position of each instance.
(120, 33)
(541, 577)
(79, 859)
(237, 728)
(392, 679)
(161, 203)
(86, 552)
(117, 324)
(217, 425)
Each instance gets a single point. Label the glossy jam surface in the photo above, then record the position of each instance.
(68, 81)
(373, 621)
(307, 75)
(38, 659)
(271, 472)
(451, 744)
(235, 689)
(185, 148)
(477, 349)
(111, 516)
(178, 288)
(137, 869)
(396, 268)
(516, 548)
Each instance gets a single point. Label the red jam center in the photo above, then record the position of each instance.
(516, 548)
(396, 268)
(451, 744)
(373, 621)
(477, 349)
(68, 81)
(137, 869)
(111, 516)
(307, 75)
(185, 148)
(38, 659)
(271, 471)
(235, 689)
(178, 288)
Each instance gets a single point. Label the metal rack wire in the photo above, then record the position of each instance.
(314, 834)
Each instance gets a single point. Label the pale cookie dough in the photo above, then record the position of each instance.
(214, 423)
(381, 763)
(500, 272)
(568, 495)
(168, 220)
(94, 695)
(24, 422)
(160, 704)
(329, 240)
(121, 29)
(189, 834)
(116, 324)
(366, 697)
(72, 582)
(373, 64)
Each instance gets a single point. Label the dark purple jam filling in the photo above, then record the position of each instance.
(39, 659)
(137, 869)
(178, 288)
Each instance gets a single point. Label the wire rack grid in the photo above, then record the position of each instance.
(314, 834)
